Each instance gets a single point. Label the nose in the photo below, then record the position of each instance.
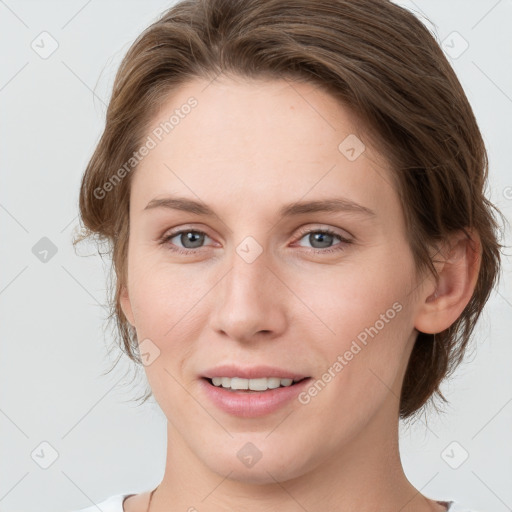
(250, 302)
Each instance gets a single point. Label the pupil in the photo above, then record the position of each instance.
(319, 237)
(189, 237)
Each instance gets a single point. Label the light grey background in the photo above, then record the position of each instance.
(54, 342)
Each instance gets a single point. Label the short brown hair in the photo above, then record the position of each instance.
(380, 61)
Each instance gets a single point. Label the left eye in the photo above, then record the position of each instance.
(324, 238)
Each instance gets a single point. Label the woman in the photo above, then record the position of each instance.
(293, 194)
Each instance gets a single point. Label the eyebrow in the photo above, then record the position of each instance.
(333, 204)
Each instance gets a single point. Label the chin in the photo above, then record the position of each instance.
(261, 474)
(252, 459)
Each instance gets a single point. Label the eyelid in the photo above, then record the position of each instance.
(301, 230)
(308, 228)
(183, 227)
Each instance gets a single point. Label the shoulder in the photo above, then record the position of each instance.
(454, 506)
(112, 504)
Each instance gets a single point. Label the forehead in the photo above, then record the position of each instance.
(259, 142)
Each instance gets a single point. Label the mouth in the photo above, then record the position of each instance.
(251, 386)
(253, 397)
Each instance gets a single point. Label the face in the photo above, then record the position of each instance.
(322, 293)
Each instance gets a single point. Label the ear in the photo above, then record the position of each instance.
(445, 299)
(126, 305)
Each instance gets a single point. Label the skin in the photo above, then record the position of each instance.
(248, 148)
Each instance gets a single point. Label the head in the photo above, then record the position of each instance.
(245, 109)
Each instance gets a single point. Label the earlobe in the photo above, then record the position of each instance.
(126, 306)
(458, 275)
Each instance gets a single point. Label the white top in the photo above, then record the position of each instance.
(115, 504)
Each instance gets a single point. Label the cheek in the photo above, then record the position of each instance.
(166, 303)
(360, 341)
(164, 296)
(349, 298)
(360, 311)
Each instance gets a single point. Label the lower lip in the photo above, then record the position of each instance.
(251, 405)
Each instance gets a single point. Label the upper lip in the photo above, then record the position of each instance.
(251, 372)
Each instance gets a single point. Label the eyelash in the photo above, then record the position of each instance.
(303, 232)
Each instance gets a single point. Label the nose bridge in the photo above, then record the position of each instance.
(248, 298)
(250, 271)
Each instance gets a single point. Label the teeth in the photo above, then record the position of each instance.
(252, 384)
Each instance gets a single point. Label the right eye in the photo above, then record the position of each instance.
(190, 239)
